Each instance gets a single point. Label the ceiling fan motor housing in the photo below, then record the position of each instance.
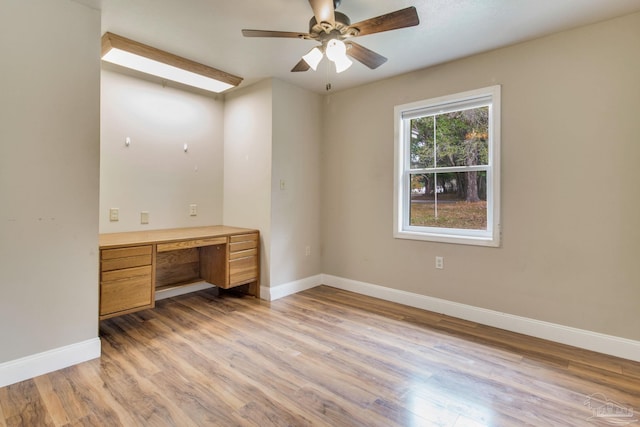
(324, 30)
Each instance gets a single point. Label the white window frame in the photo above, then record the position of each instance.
(489, 96)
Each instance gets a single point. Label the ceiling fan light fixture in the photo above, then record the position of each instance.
(337, 52)
(336, 49)
(313, 58)
(342, 64)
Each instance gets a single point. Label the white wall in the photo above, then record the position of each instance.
(49, 160)
(295, 209)
(569, 183)
(248, 131)
(153, 173)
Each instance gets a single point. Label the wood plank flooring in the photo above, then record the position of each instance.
(323, 357)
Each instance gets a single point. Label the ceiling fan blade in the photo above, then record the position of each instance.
(323, 10)
(267, 33)
(301, 66)
(366, 56)
(391, 21)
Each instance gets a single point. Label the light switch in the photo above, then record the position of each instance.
(144, 217)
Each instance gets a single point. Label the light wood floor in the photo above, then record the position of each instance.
(323, 357)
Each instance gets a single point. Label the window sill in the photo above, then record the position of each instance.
(488, 241)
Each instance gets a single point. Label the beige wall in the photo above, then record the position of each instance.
(248, 131)
(570, 197)
(295, 209)
(154, 174)
(272, 133)
(49, 159)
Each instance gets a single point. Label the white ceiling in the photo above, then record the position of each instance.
(209, 31)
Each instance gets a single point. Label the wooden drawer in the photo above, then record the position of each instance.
(126, 273)
(243, 270)
(135, 256)
(194, 243)
(243, 242)
(125, 294)
(243, 254)
(125, 252)
(243, 237)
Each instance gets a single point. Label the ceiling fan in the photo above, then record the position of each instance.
(334, 31)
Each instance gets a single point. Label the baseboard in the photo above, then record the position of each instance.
(181, 290)
(48, 361)
(594, 341)
(276, 292)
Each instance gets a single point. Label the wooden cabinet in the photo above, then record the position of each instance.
(243, 259)
(134, 265)
(233, 264)
(126, 280)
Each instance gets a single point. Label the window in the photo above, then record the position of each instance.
(447, 176)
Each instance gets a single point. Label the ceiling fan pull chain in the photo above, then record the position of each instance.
(327, 66)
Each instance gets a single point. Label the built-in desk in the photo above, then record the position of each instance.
(133, 265)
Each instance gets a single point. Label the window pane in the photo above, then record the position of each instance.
(449, 200)
(422, 208)
(422, 142)
(462, 137)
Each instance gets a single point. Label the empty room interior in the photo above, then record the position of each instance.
(389, 213)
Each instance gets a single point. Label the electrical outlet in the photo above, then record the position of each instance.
(440, 262)
(193, 210)
(114, 214)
